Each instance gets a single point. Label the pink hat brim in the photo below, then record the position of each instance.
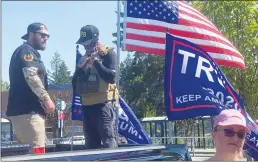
(235, 123)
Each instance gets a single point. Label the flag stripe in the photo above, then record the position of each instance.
(187, 6)
(144, 46)
(191, 21)
(154, 25)
(145, 30)
(193, 14)
(220, 56)
(148, 38)
(158, 37)
(222, 62)
(160, 47)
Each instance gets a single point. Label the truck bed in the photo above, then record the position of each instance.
(125, 153)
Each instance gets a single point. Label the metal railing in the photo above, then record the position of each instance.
(48, 142)
(197, 142)
(9, 142)
(201, 142)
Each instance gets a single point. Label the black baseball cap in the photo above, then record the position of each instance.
(34, 27)
(87, 34)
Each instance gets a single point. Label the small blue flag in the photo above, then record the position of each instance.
(77, 113)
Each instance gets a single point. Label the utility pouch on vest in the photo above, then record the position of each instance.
(92, 84)
(87, 84)
(81, 83)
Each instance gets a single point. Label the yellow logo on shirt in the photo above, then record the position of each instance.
(28, 57)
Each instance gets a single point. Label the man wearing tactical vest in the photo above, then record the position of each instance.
(94, 81)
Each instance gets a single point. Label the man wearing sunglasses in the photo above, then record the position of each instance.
(29, 100)
(229, 134)
(94, 81)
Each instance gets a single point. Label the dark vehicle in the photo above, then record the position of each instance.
(125, 153)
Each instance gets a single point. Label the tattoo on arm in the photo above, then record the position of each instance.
(34, 82)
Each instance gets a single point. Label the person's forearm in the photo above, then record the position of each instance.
(107, 74)
(34, 82)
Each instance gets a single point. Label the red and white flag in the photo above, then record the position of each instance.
(146, 22)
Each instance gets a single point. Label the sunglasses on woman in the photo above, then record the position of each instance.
(231, 133)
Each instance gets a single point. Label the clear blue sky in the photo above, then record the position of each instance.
(63, 20)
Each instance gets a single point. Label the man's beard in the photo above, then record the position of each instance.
(41, 47)
(38, 45)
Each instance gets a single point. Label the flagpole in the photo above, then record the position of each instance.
(118, 42)
(118, 61)
(72, 135)
(77, 48)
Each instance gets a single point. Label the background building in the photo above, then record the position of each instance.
(62, 91)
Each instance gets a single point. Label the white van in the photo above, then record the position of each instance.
(77, 140)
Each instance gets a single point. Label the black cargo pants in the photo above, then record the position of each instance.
(100, 126)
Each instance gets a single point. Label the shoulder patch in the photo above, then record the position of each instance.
(28, 57)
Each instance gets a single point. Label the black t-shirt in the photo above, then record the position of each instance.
(22, 100)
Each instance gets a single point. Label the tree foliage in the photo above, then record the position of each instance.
(142, 79)
(4, 86)
(60, 73)
(239, 23)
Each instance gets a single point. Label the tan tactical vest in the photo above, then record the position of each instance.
(96, 90)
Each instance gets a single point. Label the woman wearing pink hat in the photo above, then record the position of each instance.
(229, 135)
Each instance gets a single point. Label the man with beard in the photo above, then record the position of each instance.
(29, 100)
(94, 81)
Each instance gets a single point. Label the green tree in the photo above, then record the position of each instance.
(60, 73)
(140, 87)
(239, 23)
(4, 86)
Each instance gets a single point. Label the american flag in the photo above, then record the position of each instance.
(146, 23)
